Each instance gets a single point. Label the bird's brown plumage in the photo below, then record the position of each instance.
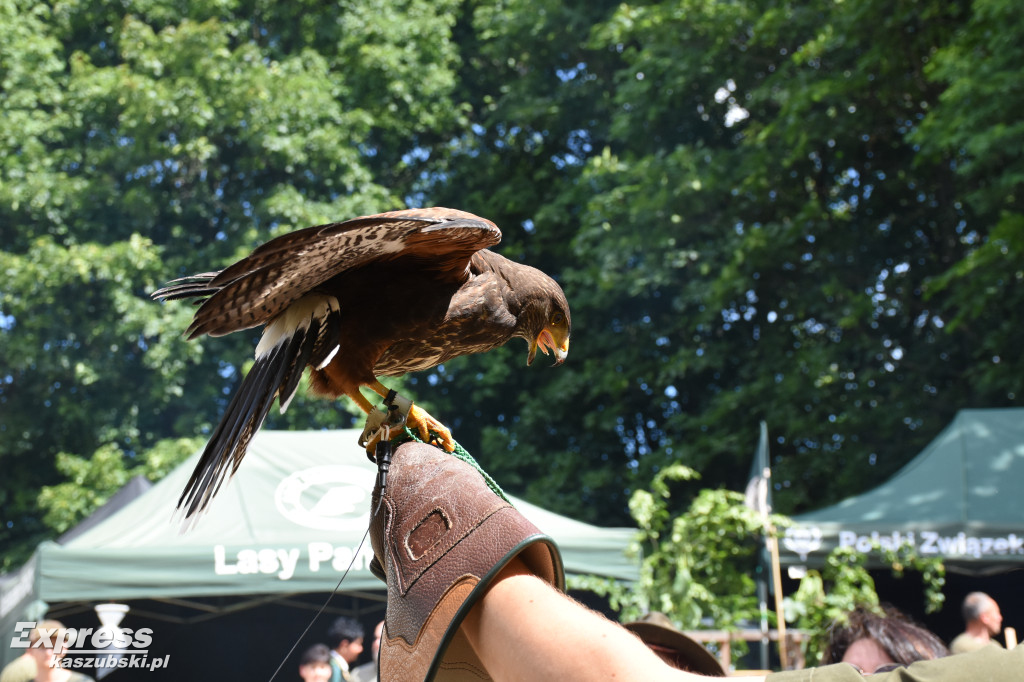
(379, 295)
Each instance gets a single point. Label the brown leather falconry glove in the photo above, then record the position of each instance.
(440, 537)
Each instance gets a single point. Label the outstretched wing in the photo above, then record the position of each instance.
(262, 285)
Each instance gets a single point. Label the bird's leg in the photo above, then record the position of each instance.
(360, 400)
(421, 421)
(377, 427)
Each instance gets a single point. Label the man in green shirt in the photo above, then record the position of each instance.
(983, 620)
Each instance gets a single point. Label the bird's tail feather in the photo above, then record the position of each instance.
(243, 417)
(293, 343)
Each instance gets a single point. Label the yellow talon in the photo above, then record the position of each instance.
(423, 424)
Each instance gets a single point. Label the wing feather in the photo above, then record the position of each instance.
(193, 286)
(260, 286)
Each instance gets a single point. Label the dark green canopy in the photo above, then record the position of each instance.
(960, 499)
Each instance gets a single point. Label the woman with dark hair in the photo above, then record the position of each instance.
(874, 642)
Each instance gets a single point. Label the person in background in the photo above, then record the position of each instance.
(367, 672)
(983, 620)
(873, 642)
(315, 664)
(23, 668)
(345, 639)
(48, 658)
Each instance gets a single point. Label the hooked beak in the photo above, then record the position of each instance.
(546, 342)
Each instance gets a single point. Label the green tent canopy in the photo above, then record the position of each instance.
(290, 522)
(291, 519)
(959, 499)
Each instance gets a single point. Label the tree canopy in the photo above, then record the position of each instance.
(804, 213)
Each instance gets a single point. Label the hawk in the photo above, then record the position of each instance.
(380, 295)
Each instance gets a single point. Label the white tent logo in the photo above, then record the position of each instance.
(327, 497)
(802, 540)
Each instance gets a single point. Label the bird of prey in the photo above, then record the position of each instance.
(380, 295)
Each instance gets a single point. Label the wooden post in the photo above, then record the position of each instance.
(773, 548)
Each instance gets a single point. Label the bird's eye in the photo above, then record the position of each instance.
(557, 319)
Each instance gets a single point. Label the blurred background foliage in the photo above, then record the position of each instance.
(798, 212)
